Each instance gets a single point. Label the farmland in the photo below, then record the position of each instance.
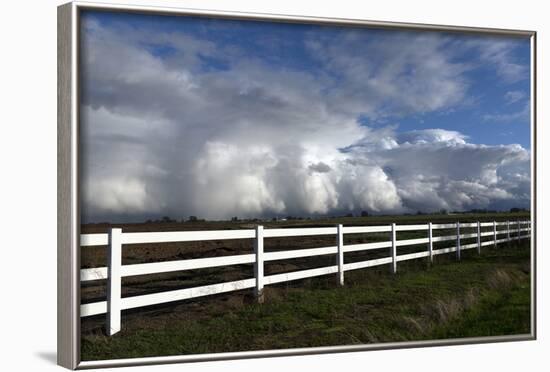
(422, 301)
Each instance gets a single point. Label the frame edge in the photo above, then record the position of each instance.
(292, 18)
(68, 299)
(67, 293)
(534, 179)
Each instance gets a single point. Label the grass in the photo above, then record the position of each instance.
(485, 295)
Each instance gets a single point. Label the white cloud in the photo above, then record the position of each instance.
(498, 54)
(444, 171)
(118, 195)
(432, 136)
(160, 137)
(522, 116)
(514, 96)
(400, 72)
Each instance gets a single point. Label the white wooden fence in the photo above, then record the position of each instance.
(116, 238)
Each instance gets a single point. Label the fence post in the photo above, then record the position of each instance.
(458, 241)
(259, 265)
(340, 254)
(508, 231)
(430, 242)
(114, 262)
(393, 249)
(478, 237)
(519, 230)
(495, 233)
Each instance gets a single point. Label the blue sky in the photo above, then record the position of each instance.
(281, 46)
(331, 96)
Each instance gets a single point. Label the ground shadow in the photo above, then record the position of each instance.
(48, 356)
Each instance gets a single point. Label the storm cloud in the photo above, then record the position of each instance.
(174, 123)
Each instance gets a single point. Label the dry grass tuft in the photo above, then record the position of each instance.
(471, 298)
(500, 279)
(415, 324)
(444, 311)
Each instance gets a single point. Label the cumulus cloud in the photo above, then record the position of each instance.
(174, 124)
(434, 169)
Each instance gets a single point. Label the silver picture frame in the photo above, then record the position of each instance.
(68, 220)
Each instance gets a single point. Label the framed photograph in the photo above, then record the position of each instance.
(235, 185)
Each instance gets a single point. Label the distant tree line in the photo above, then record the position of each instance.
(167, 219)
(518, 210)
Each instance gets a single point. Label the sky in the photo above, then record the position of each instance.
(217, 118)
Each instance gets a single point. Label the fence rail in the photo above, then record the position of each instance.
(116, 238)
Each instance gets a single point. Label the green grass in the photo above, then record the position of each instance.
(485, 295)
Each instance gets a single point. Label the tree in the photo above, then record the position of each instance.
(193, 219)
(364, 214)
